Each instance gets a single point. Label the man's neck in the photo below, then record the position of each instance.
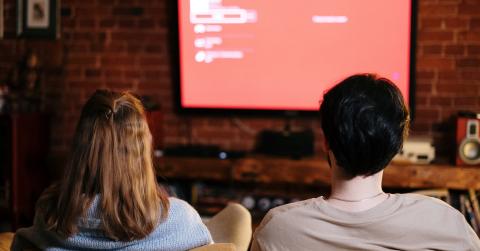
(355, 188)
(355, 194)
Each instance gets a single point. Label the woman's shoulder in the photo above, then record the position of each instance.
(183, 225)
(182, 213)
(180, 207)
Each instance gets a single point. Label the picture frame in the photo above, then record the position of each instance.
(38, 19)
(1, 18)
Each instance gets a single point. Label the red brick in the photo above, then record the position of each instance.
(475, 23)
(155, 11)
(126, 23)
(132, 74)
(468, 62)
(119, 85)
(427, 3)
(473, 49)
(425, 74)
(439, 10)
(77, 36)
(78, 47)
(430, 23)
(449, 112)
(130, 36)
(106, 2)
(421, 101)
(86, 23)
(115, 47)
(456, 23)
(466, 101)
(85, 85)
(146, 23)
(93, 73)
(454, 50)
(469, 9)
(468, 36)
(153, 61)
(423, 88)
(118, 61)
(81, 60)
(107, 23)
(435, 36)
(448, 75)
(435, 63)
(154, 74)
(87, 12)
(426, 113)
(471, 75)
(441, 101)
(128, 11)
(457, 88)
(419, 126)
(432, 49)
(154, 49)
(128, 2)
(113, 74)
(68, 24)
(73, 72)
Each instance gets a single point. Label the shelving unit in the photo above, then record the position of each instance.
(23, 157)
(315, 172)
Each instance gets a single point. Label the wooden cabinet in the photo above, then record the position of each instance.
(23, 154)
(314, 172)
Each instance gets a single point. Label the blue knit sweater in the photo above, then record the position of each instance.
(182, 230)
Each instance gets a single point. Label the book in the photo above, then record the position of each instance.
(475, 206)
(470, 214)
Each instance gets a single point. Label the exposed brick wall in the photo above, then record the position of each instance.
(448, 66)
(123, 45)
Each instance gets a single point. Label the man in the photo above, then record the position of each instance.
(364, 120)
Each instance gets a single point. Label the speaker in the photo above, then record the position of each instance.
(468, 140)
(286, 143)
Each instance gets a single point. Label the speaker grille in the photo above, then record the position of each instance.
(469, 151)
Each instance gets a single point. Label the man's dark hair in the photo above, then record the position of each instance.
(364, 120)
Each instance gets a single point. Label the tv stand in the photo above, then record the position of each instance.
(311, 172)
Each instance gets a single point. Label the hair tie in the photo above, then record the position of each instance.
(108, 114)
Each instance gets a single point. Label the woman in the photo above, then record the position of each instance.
(109, 198)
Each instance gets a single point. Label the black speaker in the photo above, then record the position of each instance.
(286, 143)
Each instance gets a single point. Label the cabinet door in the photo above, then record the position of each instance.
(29, 144)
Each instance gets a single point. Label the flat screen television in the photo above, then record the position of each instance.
(271, 55)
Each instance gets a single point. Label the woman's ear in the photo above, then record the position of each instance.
(326, 147)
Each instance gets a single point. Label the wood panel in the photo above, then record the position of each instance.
(193, 168)
(314, 172)
(24, 161)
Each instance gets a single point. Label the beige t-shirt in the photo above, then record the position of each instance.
(401, 222)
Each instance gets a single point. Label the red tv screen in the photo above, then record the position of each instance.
(283, 55)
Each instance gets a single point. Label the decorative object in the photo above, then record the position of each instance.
(23, 85)
(38, 18)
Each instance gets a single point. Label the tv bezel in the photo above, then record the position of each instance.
(174, 44)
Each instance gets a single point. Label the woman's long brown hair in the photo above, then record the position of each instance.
(112, 159)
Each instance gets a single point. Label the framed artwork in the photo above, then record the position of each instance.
(1, 18)
(38, 18)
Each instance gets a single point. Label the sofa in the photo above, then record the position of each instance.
(231, 230)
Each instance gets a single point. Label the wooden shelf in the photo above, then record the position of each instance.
(313, 172)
